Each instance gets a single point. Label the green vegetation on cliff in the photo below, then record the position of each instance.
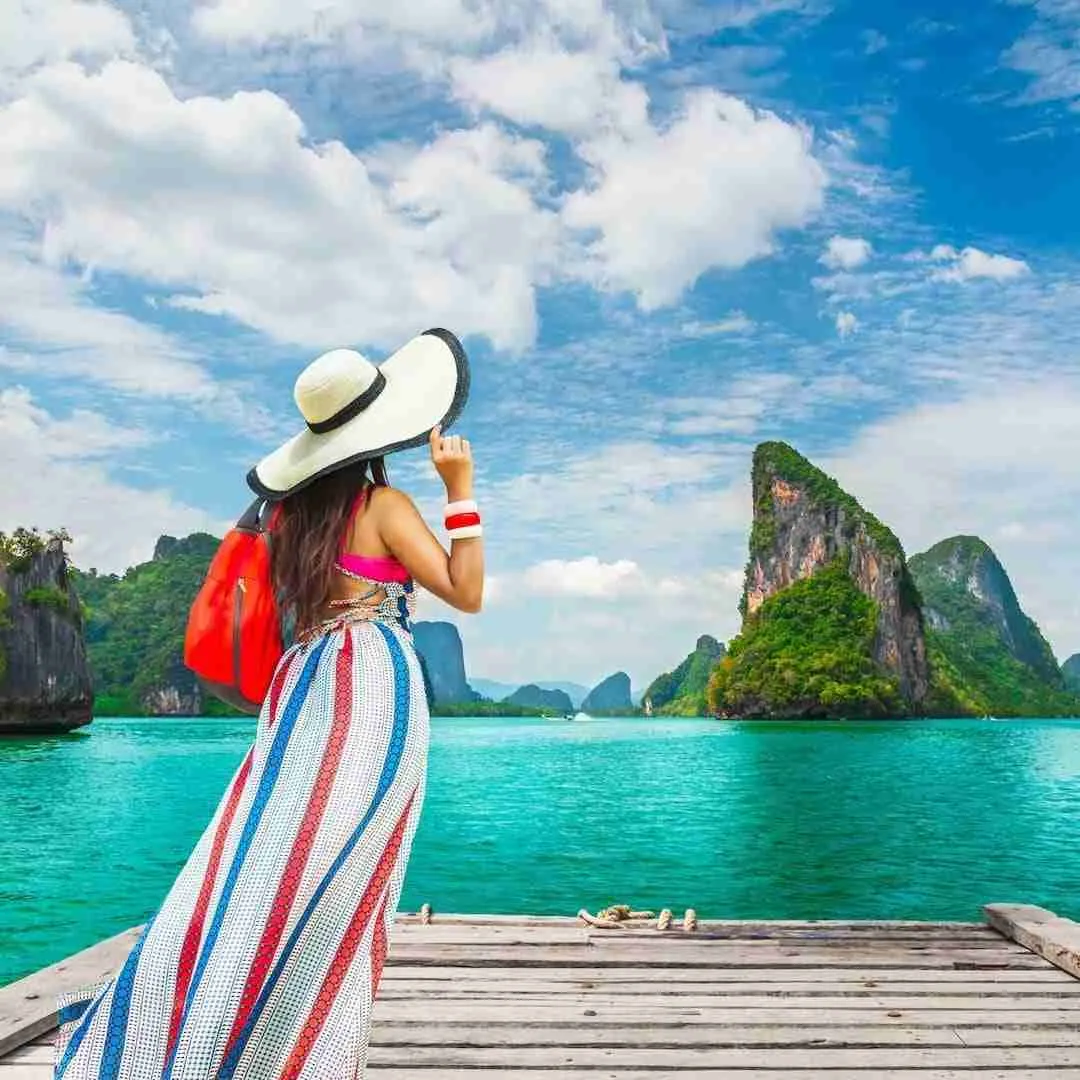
(135, 624)
(682, 692)
(489, 708)
(17, 549)
(983, 647)
(532, 696)
(783, 462)
(808, 651)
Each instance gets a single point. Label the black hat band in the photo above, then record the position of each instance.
(353, 409)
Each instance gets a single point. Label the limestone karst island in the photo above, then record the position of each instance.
(836, 623)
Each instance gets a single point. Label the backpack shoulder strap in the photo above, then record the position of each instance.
(256, 519)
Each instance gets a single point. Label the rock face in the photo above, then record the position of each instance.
(803, 521)
(612, 695)
(1070, 670)
(994, 653)
(440, 649)
(682, 691)
(45, 680)
(535, 697)
(175, 693)
(831, 618)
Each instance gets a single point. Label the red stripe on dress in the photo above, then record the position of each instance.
(276, 687)
(346, 951)
(190, 947)
(378, 948)
(305, 839)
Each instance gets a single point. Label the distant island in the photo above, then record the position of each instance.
(45, 679)
(836, 622)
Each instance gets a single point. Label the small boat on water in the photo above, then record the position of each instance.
(577, 716)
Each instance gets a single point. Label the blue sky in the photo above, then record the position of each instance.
(666, 231)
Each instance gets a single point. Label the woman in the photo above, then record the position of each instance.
(264, 959)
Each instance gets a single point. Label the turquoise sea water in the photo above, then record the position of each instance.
(778, 820)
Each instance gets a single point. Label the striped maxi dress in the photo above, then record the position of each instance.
(264, 959)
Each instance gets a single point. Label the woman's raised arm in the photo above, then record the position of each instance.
(456, 578)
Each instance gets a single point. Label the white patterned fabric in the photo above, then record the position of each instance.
(264, 959)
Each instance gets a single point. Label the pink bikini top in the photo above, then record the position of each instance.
(369, 567)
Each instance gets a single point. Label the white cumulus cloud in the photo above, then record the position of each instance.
(846, 252)
(542, 84)
(225, 200)
(971, 263)
(712, 188)
(34, 32)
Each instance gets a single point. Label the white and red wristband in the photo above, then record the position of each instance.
(462, 520)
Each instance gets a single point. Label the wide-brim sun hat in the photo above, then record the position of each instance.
(355, 410)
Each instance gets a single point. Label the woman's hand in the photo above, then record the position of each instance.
(452, 458)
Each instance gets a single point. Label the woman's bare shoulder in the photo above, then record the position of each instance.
(390, 500)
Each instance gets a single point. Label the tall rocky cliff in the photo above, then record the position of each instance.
(682, 692)
(993, 653)
(611, 695)
(443, 658)
(45, 680)
(803, 521)
(831, 617)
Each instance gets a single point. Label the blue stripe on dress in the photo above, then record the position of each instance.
(70, 1013)
(116, 1034)
(79, 1033)
(118, 1014)
(389, 771)
(258, 805)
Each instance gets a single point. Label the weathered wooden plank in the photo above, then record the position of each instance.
(501, 1073)
(496, 986)
(1042, 975)
(1048, 935)
(875, 1058)
(507, 998)
(653, 939)
(571, 931)
(33, 1054)
(28, 1007)
(43, 1072)
(425, 1010)
(571, 997)
(412, 917)
(488, 1034)
(982, 936)
(635, 954)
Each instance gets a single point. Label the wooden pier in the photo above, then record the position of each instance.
(514, 998)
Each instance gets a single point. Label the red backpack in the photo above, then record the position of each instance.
(233, 640)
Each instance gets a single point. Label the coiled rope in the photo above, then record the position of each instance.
(623, 915)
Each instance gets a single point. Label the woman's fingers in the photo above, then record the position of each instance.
(444, 448)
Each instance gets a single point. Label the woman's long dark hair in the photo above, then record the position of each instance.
(308, 538)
